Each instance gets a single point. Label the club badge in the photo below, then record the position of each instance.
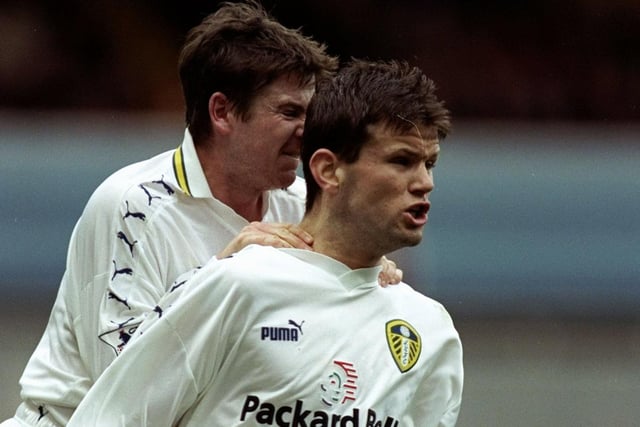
(404, 343)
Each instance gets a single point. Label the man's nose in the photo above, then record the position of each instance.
(423, 182)
(300, 129)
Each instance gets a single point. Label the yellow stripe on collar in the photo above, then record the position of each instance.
(180, 171)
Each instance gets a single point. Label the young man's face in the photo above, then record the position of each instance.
(266, 147)
(386, 191)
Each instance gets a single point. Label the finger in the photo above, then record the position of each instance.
(254, 233)
(384, 278)
(390, 274)
(275, 241)
(300, 233)
(397, 277)
(393, 276)
(293, 239)
(276, 235)
(292, 234)
(287, 231)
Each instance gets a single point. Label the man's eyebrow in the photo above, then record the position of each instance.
(291, 104)
(404, 149)
(410, 149)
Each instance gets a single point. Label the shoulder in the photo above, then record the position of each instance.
(241, 264)
(123, 180)
(428, 308)
(254, 264)
(134, 187)
(255, 259)
(229, 279)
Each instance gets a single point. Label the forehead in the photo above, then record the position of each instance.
(422, 139)
(288, 88)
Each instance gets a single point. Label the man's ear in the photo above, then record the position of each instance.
(220, 112)
(325, 168)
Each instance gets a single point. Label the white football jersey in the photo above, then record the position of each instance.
(284, 337)
(143, 226)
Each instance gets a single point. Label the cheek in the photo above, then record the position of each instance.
(385, 185)
(283, 128)
(377, 192)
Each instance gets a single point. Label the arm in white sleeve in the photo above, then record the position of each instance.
(151, 384)
(171, 360)
(437, 401)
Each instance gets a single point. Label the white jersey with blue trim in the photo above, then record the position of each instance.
(285, 337)
(143, 226)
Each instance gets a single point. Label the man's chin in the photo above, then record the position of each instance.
(286, 179)
(413, 239)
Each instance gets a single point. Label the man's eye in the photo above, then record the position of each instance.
(291, 113)
(430, 164)
(403, 161)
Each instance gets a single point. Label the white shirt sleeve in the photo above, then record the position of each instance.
(169, 362)
(443, 382)
(152, 385)
(90, 310)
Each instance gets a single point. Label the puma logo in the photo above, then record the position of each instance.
(125, 270)
(293, 323)
(120, 300)
(168, 189)
(125, 239)
(177, 285)
(137, 215)
(149, 196)
(158, 310)
(43, 412)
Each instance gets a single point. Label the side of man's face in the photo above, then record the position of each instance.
(386, 191)
(266, 147)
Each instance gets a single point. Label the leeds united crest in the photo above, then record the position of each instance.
(404, 343)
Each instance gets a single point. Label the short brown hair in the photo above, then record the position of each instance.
(238, 50)
(365, 93)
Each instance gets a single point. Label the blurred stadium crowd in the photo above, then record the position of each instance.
(545, 59)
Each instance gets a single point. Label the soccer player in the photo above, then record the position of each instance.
(292, 337)
(247, 81)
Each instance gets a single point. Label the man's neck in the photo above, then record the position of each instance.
(333, 241)
(229, 189)
(247, 206)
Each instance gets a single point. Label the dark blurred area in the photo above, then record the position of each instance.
(559, 60)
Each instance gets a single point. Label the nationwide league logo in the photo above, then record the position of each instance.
(339, 385)
(404, 343)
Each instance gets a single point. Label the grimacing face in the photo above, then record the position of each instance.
(265, 149)
(385, 193)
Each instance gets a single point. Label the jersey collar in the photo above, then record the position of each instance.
(188, 170)
(350, 279)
